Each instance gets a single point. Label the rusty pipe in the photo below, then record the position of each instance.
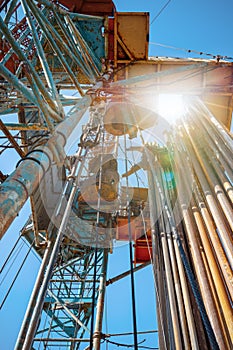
(218, 127)
(223, 304)
(210, 175)
(194, 343)
(215, 241)
(208, 220)
(191, 231)
(220, 155)
(214, 140)
(217, 215)
(24, 180)
(223, 178)
(219, 165)
(202, 278)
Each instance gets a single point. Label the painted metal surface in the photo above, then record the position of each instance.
(90, 7)
(206, 215)
(131, 31)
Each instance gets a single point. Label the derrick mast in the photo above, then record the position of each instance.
(101, 165)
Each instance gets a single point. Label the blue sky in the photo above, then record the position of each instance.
(203, 26)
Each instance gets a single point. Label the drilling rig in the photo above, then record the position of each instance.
(100, 165)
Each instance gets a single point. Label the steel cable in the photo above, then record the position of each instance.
(16, 276)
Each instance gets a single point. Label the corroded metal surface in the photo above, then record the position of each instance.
(90, 7)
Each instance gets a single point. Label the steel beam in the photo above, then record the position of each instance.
(126, 273)
(23, 58)
(52, 36)
(11, 139)
(25, 127)
(43, 60)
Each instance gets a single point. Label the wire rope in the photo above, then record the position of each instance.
(130, 333)
(9, 255)
(16, 276)
(193, 51)
(17, 252)
(132, 345)
(159, 13)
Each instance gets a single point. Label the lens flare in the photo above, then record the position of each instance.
(171, 106)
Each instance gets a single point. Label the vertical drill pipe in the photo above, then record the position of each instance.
(223, 200)
(221, 156)
(220, 129)
(183, 281)
(191, 230)
(100, 303)
(223, 304)
(187, 302)
(157, 267)
(177, 285)
(215, 241)
(217, 214)
(203, 281)
(211, 228)
(178, 291)
(170, 218)
(216, 158)
(222, 177)
(215, 143)
(204, 118)
(171, 292)
(211, 177)
(189, 274)
(168, 269)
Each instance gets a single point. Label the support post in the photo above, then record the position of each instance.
(34, 295)
(100, 303)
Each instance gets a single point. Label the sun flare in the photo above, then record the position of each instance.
(171, 106)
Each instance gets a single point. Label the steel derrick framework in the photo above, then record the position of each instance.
(59, 61)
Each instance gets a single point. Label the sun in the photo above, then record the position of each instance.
(171, 106)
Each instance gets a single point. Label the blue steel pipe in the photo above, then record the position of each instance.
(24, 180)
